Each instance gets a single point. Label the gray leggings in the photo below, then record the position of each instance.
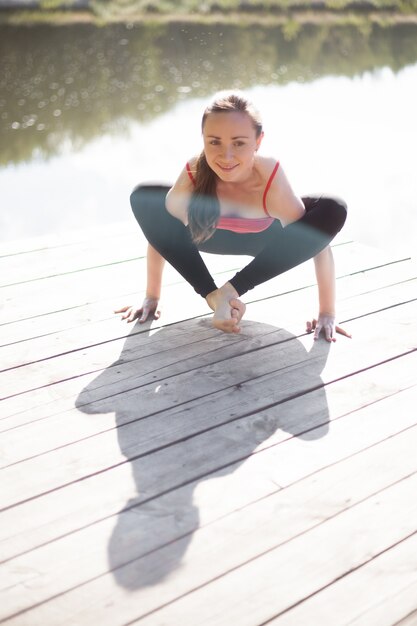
(275, 250)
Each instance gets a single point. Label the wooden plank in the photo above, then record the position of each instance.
(44, 263)
(63, 292)
(281, 577)
(342, 397)
(58, 321)
(50, 396)
(63, 347)
(46, 435)
(79, 336)
(40, 297)
(296, 371)
(70, 426)
(48, 372)
(103, 494)
(299, 527)
(129, 491)
(36, 260)
(64, 239)
(90, 252)
(97, 314)
(81, 327)
(379, 593)
(179, 369)
(410, 619)
(92, 354)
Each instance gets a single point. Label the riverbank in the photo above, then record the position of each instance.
(211, 11)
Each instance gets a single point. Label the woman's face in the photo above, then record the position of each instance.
(230, 144)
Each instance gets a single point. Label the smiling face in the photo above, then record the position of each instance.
(230, 144)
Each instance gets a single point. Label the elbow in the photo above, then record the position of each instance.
(295, 214)
(300, 210)
(168, 202)
(176, 205)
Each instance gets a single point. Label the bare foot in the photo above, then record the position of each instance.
(228, 309)
(238, 308)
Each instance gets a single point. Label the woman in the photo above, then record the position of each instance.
(231, 200)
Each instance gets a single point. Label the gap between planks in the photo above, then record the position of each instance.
(249, 372)
(77, 354)
(238, 543)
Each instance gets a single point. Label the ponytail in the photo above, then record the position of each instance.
(204, 207)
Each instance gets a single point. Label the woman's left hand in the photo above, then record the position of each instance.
(327, 324)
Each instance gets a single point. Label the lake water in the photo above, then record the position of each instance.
(87, 112)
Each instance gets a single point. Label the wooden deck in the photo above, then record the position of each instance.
(173, 475)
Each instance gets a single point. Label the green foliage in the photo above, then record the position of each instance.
(49, 5)
(111, 9)
(291, 28)
(207, 6)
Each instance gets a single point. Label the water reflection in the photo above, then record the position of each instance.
(64, 86)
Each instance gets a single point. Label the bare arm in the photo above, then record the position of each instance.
(149, 309)
(326, 281)
(154, 269)
(178, 197)
(282, 202)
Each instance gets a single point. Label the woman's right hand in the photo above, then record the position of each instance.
(149, 309)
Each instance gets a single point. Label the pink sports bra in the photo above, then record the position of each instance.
(245, 224)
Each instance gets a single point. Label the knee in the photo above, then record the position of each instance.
(139, 197)
(336, 211)
(146, 199)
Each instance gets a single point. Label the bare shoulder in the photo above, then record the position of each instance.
(265, 166)
(178, 197)
(192, 165)
(282, 201)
